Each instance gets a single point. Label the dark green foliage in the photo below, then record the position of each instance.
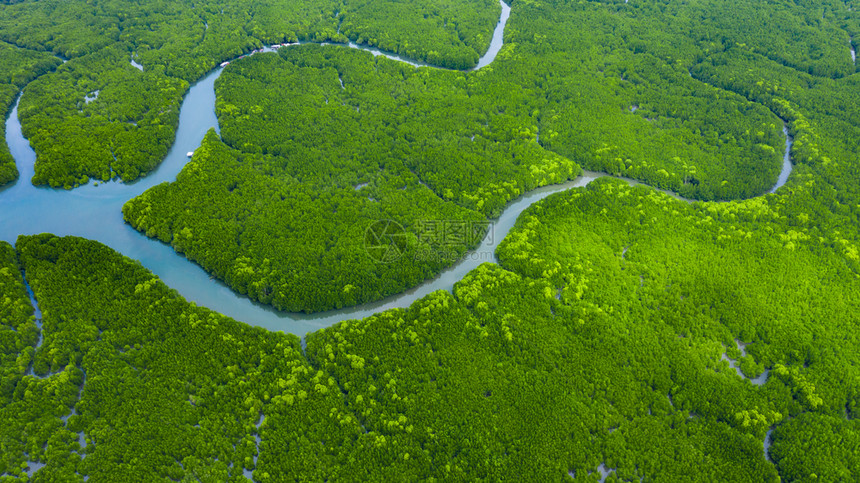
(134, 118)
(331, 119)
(808, 36)
(273, 230)
(100, 117)
(693, 139)
(17, 68)
(8, 168)
(446, 33)
(469, 137)
(615, 100)
(388, 116)
(283, 215)
(822, 116)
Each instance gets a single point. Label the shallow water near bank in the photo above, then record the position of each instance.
(733, 363)
(853, 51)
(767, 442)
(786, 160)
(95, 212)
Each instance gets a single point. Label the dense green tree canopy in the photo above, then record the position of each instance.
(282, 213)
(622, 329)
(330, 120)
(17, 68)
(598, 341)
(297, 240)
(134, 117)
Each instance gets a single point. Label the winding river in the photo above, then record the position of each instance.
(95, 212)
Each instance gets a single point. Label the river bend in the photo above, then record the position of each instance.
(95, 212)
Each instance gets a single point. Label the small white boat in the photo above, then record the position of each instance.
(225, 64)
(190, 153)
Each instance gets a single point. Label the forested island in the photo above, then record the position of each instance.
(705, 330)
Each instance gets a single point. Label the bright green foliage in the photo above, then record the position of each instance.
(497, 383)
(31, 406)
(17, 324)
(730, 263)
(712, 273)
(171, 391)
(17, 68)
(815, 447)
(602, 345)
(629, 299)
